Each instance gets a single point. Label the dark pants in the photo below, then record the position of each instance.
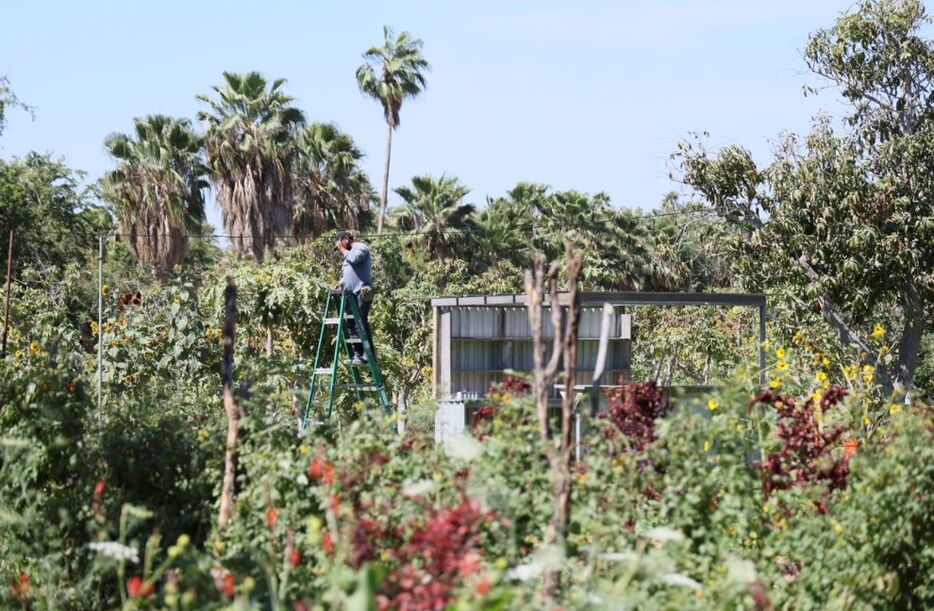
(364, 307)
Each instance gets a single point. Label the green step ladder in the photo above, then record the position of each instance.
(345, 304)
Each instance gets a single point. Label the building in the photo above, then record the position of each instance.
(477, 340)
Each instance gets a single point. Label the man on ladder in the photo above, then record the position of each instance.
(356, 279)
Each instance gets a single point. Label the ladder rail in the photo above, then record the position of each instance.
(375, 372)
(347, 309)
(312, 383)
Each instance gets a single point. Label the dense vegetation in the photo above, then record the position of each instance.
(810, 492)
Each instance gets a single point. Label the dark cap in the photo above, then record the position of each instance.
(340, 235)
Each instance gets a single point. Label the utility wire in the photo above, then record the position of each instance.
(371, 236)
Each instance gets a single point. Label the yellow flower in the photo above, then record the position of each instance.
(739, 428)
(837, 527)
(775, 383)
(866, 421)
(105, 290)
(878, 331)
(203, 434)
(706, 445)
(176, 299)
(122, 323)
(825, 362)
(34, 349)
(303, 450)
(894, 409)
(798, 338)
(94, 328)
(779, 353)
(820, 376)
(711, 404)
(781, 365)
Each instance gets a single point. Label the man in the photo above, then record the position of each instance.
(356, 280)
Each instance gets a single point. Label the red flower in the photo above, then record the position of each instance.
(327, 544)
(315, 469)
(328, 477)
(230, 583)
(136, 588)
(469, 564)
(99, 488)
(271, 516)
(482, 587)
(334, 503)
(295, 557)
(19, 589)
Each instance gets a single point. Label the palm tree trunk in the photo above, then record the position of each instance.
(385, 195)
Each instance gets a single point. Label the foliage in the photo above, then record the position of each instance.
(56, 219)
(842, 221)
(8, 100)
(251, 149)
(332, 191)
(390, 74)
(157, 189)
(433, 211)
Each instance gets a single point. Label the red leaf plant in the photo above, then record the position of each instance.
(496, 396)
(805, 457)
(435, 559)
(633, 410)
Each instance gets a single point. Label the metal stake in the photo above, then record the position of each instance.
(100, 332)
(9, 280)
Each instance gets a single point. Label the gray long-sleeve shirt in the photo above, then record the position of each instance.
(356, 267)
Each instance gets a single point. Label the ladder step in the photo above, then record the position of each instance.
(335, 319)
(324, 371)
(353, 340)
(363, 387)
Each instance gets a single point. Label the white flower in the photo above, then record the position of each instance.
(524, 572)
(664, 534)
(617, 556)
(112, 549)
(417, 488)
(677, 579)
(463, 447)
(741, 571)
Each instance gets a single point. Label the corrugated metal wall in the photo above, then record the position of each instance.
(487, 340)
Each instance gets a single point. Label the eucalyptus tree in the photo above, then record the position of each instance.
(391, 73)
(157, 189)
(332, 190)
(8, 100)
(843, 220)
(251, 150)
(434, 211)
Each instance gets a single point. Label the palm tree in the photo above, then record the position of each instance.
(434, 213)
(332, 191)
(157, 189)
(390, 74)
(251, 147)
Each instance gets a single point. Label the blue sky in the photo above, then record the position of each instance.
(586, 95)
